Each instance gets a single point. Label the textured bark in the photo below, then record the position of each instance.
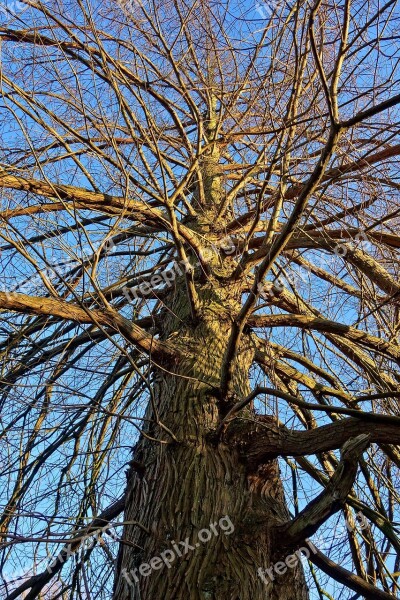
(177, 489)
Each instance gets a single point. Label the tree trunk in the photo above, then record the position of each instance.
(194, 489)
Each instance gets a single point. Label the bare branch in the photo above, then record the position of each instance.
(36, 583)
(262, 440)
(66, 310)
(308, 521)
(347, 578)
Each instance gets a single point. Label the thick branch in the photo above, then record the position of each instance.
(308, 521)
(347, 578)
(263, 440)
(80, 196)
(326, 326)
(87, 199)
(372, 111)
(36, 305)
(355, 256)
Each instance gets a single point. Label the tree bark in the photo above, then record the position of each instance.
(179, 488)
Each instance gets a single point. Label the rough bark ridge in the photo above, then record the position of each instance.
(177, 489)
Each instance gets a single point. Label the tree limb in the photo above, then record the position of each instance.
(308, 521)
(66, 310)
(86, 199)
(36, 583)
(347, 578)
(328, 326)
(263, 439)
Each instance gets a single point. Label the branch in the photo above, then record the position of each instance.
(37, 582)
(308, 521)
(80, 196)
(326, 326)
(371, 112)
(347, 235)
(36, 305)
(262, 440)
(275, 249)
(328, 408)
(372, 268)
(89, 200)
(347, 578)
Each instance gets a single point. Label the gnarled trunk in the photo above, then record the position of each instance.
(198, 523)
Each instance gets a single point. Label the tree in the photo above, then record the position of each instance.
(200, 305)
